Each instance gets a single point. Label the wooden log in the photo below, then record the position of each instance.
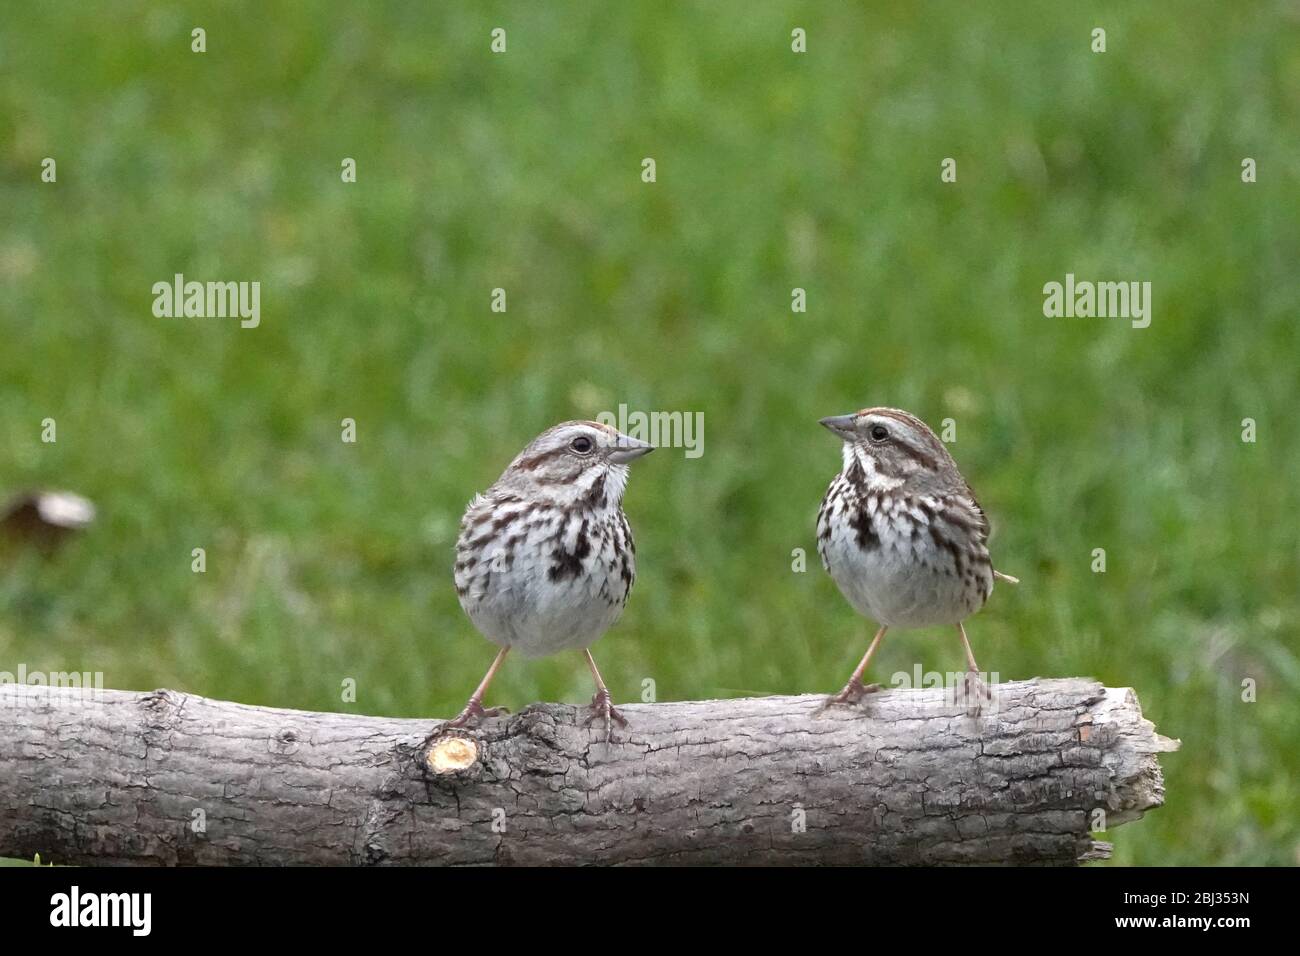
(907, 777)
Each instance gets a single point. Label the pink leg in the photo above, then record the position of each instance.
(602, 706)
(474, 710)
(974, 689)
(855, 690)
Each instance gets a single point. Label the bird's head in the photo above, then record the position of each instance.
(894, 448)
(575, 459)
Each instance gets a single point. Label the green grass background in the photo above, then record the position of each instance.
(775, 170)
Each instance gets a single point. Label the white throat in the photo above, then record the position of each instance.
(874, 479)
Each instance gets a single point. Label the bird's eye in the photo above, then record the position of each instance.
(582, 445)
(879, 432)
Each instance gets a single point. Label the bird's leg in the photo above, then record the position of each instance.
(855, 690)
(474, 710)
(602, 705)
(974, 688)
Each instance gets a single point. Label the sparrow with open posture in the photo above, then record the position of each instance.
(902, 535)
(545, 559)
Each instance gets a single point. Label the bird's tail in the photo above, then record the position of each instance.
(1006, 577)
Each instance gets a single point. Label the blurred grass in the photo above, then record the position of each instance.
(522, 171)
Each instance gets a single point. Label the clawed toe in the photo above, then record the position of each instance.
(473, 713)
(854, 691)
(603, 709)
(973, 693)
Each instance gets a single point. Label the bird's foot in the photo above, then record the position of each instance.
(972, 692)
(852, 693)
(474, 712)
(602, 708)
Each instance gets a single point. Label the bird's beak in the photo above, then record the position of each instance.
(627, 448)
(841, 425)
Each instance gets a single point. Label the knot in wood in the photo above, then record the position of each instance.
(284, 743)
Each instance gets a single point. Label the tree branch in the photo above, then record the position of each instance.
(905, 778)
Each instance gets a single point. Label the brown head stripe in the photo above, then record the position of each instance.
(531, 464)
(926, 459)
(895, 414)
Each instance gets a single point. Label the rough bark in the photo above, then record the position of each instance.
(904, 778)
